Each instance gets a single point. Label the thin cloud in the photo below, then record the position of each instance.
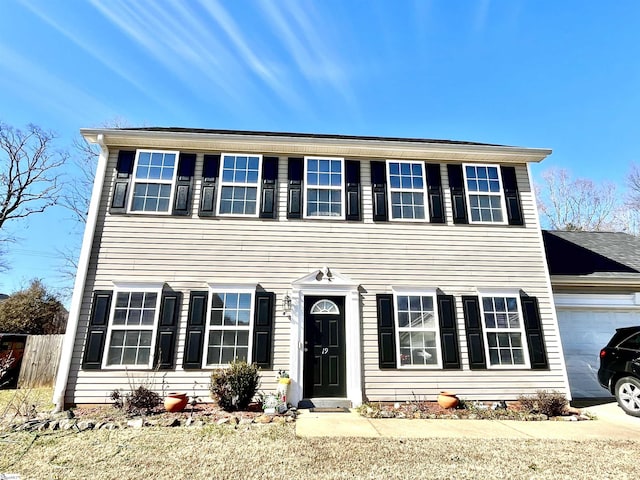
(299, 35)
(45, 89)
(179, 43)
(98, 53)
(266, 73)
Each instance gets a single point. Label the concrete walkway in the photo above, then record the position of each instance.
(611, 423)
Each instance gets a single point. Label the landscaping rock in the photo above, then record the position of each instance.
(135, 423)
(246, 421)
(222, 421)
(264, 419)
(172, 422)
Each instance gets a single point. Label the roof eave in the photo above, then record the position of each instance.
(290, 145)
(589, 281)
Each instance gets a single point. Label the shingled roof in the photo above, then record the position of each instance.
(593, 254)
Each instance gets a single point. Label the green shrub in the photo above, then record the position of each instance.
(551, 404)
(234, 387)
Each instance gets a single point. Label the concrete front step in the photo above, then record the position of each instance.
(324, 403)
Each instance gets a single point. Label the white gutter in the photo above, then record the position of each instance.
(81, 277)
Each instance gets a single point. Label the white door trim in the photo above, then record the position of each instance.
(330, 283)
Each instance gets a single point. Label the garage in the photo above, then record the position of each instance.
(584, 331)
(595, 277)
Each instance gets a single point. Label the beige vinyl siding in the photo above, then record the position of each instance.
(189, 252)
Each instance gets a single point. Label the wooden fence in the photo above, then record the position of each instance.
(40, 361)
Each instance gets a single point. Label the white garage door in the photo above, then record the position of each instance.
(584, 333)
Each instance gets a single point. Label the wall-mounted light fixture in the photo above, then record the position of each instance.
(286, 304)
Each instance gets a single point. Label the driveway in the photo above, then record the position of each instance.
(611, 423)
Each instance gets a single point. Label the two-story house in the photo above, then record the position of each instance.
(369, 268)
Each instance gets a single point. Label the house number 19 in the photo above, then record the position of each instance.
(325, 350)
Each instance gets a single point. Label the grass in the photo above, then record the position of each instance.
(25, 401)
(274, 452)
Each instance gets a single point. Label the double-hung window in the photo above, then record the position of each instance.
(484, 193)
(239, 185)
(417, 330)
(153, 181)
(229, 325)
(324, 188)
(407, 185)
(132, 326)
(505, 341)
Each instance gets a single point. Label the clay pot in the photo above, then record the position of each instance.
(175, 402)
(448, 400)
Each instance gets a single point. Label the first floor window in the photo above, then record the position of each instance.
(417, 330)
(324, 185)
(484, 193)
(153, 181)
(229, 326)
(407, 190)
(504, 332)
(132, 324)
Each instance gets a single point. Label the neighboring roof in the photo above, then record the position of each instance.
(305, 135)
(604, 256)
(3, 296)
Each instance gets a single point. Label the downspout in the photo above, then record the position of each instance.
(81, 278)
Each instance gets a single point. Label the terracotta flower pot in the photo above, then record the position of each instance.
(448, 400)
(175, 402)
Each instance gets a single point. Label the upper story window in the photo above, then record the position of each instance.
(417, 330)
(504, 332)
(153, 181)
(229, 325)
(324, 188)
(484, 193)
(407, 190)
(132, 326)
(239, 185)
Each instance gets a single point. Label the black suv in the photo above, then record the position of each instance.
(620, 368)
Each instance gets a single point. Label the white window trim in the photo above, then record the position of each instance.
(221, 184)
(132, 287)
(409, 291)
(523, 334)
(228, 288)
(503, 205)
(157, 181)
(343, 203)
(423, 190)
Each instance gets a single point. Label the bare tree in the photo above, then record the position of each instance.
(29, 172)
(578, 204)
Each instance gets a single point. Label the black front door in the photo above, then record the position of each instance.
(324, 347)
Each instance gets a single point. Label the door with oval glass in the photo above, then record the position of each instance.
(324, 347)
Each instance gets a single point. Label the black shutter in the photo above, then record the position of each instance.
(263, 329)
(210, 168)
(458, 201)
(269, 187)
(535, 336)
(475, 338)
(195, 331)
(165, 355)
(352, 168)
(434, 190)
(448, 332)
(386, 331)
(124, 168)
(511, 195)
(97, 330)
(294, 196)
(379, 187)
(184, 179)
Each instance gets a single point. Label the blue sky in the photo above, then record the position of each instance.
(537, 73)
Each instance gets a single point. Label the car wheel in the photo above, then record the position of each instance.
(628, 395)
